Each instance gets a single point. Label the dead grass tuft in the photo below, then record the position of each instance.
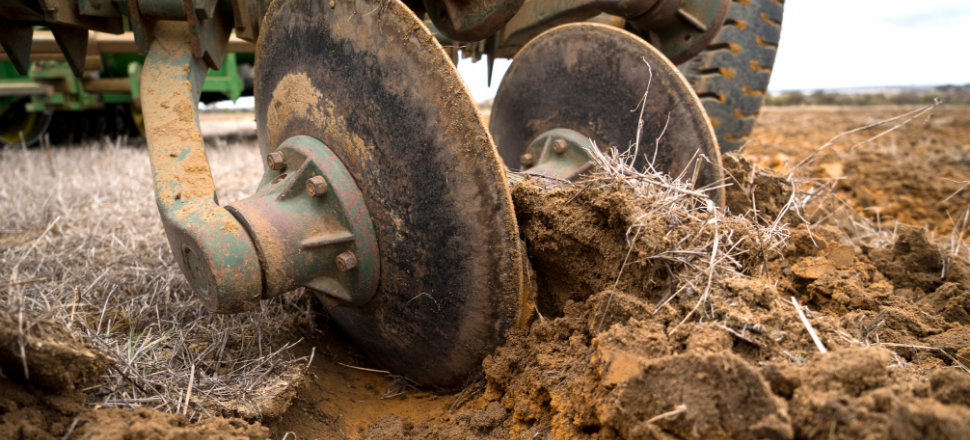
(83, 247)
(704, 246)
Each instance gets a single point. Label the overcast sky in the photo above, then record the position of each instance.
(828, 44)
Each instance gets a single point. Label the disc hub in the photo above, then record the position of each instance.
(310, 226)
(559, 153)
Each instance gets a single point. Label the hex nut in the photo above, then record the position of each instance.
(317, 186)
(346, 261)
(527, 159)
(275, 161)
(559, 146)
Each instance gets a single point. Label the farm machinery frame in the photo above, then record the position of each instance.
(105, 99)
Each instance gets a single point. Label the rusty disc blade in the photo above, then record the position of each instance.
(368, 80)
(590, 78)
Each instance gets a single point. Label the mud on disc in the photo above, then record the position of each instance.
(368, 80)
(590, 78)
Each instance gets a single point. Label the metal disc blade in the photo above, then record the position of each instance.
(367, 79)
(590, 78)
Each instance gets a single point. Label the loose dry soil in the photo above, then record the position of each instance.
(887, 291)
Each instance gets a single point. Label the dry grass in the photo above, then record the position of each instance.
(705, 247)
(82, 246)
(821, 204)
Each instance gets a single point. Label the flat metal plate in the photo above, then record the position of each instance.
(590, 78)
(368, 80)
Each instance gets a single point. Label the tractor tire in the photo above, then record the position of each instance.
(731, 76)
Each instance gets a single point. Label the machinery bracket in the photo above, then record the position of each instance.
(210, 27)
(247, 16)
(16, 39)
(210, 246)
(560, 153)
(464, 20)
(680, 29)
(74, 45)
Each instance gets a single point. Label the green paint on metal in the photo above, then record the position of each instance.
(226, 80)
(299, 235)
(71, 96)
(116, 98)
(210, 246)
(560, 153)
(134, 78)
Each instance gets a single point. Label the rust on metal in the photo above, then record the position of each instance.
(210, 246)
(275, 161)
(316, 186)
(346, 261)
(681, 29)
(562, 154)
(559, 146)
(298, 236)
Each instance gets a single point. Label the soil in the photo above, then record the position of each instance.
(43, 397)
(914, 175)
(603, 361)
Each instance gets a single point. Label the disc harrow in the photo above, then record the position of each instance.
(384, 193)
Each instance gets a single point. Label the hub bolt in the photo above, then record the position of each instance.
(559, 146)
(316, 186)
(346, 261)
(527, 159)
(275, 161)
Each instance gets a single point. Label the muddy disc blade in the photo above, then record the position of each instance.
(368, 80)
(590, 78)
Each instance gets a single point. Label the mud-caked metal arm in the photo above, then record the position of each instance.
(211, 247)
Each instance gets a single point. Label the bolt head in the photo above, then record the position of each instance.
(275, 161)
(346, 261)
(317, 186)
(528, 159)
(559, 146)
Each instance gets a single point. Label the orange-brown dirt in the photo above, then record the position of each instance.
(913, 175)
(604, 362)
